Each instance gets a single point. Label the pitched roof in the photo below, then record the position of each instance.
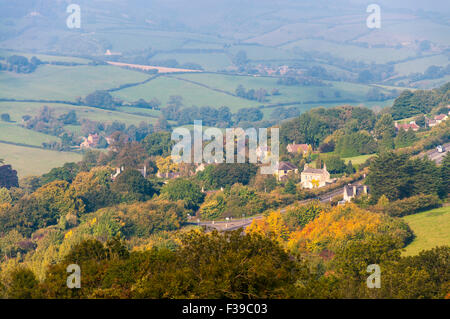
(286, 166)
(312, 170)
(440, 117)
(406, 126)
(297, 147)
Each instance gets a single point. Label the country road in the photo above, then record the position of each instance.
(434, 155)
(234, 224)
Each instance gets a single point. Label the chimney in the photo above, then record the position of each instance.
(354, 190)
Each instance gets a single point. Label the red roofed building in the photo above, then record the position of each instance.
(297, 148)
(412, 125)
(440, 118)
(91, 141)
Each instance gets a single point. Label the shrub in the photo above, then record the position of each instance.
(411, 205)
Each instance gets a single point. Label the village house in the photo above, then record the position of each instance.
(297, 148)
(315, 177)
(431, 122)
(91, 141)
(411, 126)
(284, 169)
(283, 69)
(440, 118)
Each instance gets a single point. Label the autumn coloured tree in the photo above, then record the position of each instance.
(271, 226)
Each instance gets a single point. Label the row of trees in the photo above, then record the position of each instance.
(8, 176)
(59, 200)
(315, 125)
(20, 64)
(205, 266)
(299, 81)
(210, 116)
(258, 95)
(396, 176)
(419, 102)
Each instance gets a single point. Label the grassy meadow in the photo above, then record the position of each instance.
(163, 87)
(18, 109)
(64, 83)
(33, 161)
(357, 160)
(431, 229)
(9, 132)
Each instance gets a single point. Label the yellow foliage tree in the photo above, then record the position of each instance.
(315, 183)
(166, 165)
(331, 228)
(272, 226)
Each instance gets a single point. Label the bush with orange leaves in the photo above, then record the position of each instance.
(331, 229)
(271, 226)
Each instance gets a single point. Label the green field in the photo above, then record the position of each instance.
(18, 109)
(45, 57)
(209, 61)
(14, 133)
(352, 52)
(10, 132)
(163, 87)
(408, 32)
(296, 31)
(263, 53)
(132, 38)
(348, 91)
(218, 89)
(32, 161)
(420, 65)
(432, 228)
(64, 83)
(356, 160)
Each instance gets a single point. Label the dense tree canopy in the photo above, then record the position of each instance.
(397, 177)
(8, 177)
(133, 186)
(226, 174)
(419, 102)
(183, 189)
